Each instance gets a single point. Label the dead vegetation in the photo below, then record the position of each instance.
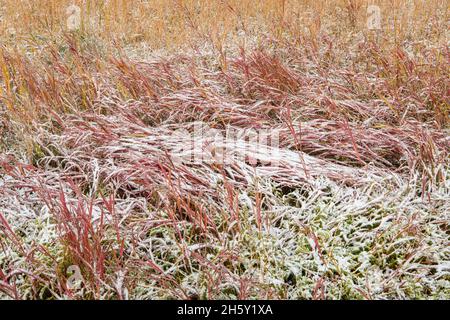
(351, 204)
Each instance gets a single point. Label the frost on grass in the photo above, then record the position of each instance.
(140, 228)
(352, 203)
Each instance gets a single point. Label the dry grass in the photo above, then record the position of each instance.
(351, 204)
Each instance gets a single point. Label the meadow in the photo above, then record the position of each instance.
(332, 116)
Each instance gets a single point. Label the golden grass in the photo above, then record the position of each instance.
(170, 23)
(89, 118)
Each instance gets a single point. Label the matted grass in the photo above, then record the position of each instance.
(351, 203)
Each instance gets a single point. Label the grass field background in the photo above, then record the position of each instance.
(94, 94)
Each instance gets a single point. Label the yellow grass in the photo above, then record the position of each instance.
(170, 23)
(90, 121)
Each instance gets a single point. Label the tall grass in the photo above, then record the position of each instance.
(353, 203)
(171, 23)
